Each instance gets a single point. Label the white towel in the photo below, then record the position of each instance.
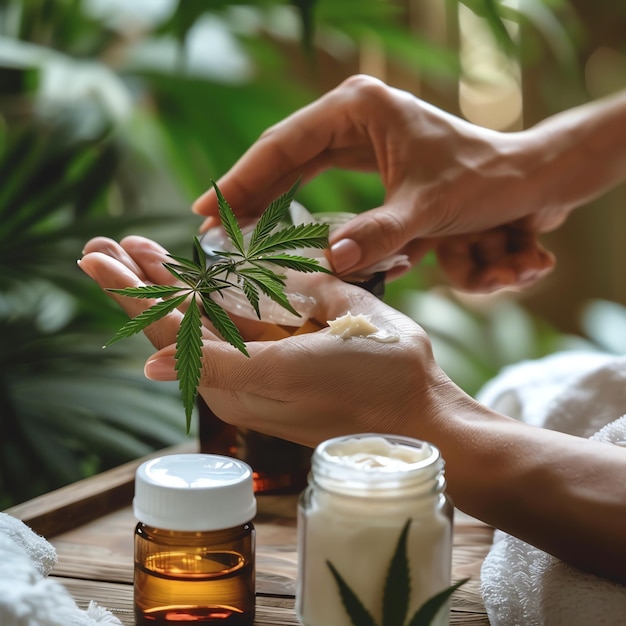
(27, 596)
(582, 394)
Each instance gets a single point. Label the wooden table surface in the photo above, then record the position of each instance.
(91, 525)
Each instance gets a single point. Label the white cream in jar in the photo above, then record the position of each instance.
(362, 490)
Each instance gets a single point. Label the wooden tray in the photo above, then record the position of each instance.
(91, 525)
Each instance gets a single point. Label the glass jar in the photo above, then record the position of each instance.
(194, 541)
(279, 466)
(363, 491)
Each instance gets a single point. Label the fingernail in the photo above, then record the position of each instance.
(345, 254)
(162, 368)
(195, 207)
(85, 269)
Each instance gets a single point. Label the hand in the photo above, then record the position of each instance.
(133, 262)
(443, 177)
(305, 388)
(504, 256)
(310, 387)
(137, 261)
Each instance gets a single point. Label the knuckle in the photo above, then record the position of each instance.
(361, 91)
(389, 231)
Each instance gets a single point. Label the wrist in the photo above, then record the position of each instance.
(475, 443)
(579, 154)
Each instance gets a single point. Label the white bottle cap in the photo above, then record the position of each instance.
(194, 492)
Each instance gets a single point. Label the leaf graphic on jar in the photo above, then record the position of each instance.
(396, 593)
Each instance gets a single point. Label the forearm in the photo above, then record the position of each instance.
(580, 153)
(560, 493)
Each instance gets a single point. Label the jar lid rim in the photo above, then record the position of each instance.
(377, 460)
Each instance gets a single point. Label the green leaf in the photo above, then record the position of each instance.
(252, 272)
(426, 614)
(223, 324)
(200, 253)
(396, 594)
(490, 11)
(270, 284)
(189, 357)
(147, 317)
(263, 274)
(292, 237)
(273, 215)
(250, 290)
(229, 221)
(190, 278)
(186, 263)
(295, 262)
(148, 291)
(359, 615)
(398, 584)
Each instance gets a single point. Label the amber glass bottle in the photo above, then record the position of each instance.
(194, 541)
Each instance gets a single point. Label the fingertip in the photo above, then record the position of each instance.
(209, 222)
(162, 368)
(199, 205)
(206, 204)
(345, 254)
(84, 267)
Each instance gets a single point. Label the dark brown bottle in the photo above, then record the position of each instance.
(194, 541)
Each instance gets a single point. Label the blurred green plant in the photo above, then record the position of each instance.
(113, 113)
(66, 410)
(473, 343)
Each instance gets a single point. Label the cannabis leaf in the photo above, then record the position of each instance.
(398, 584)
(250, 267)
(396, 593)
(359, 615)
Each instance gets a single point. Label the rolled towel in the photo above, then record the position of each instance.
(520, 584)
(572, 392)
(27, 596)
(40, 551)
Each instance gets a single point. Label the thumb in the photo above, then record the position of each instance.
(223, 366)
(371, 237)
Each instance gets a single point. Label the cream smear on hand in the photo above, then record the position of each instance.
(360, 325)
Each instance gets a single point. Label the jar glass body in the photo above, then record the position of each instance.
(203, 577)
(356, 528)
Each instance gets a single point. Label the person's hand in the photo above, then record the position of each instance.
(137, 261)
(133, 262)
(505, 256)
(305, 388)
(445, 179)
(311, 387)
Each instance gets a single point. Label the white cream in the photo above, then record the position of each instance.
(363, 491)
(359, 325)
(376, 453)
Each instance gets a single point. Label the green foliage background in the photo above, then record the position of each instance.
(114, 117)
